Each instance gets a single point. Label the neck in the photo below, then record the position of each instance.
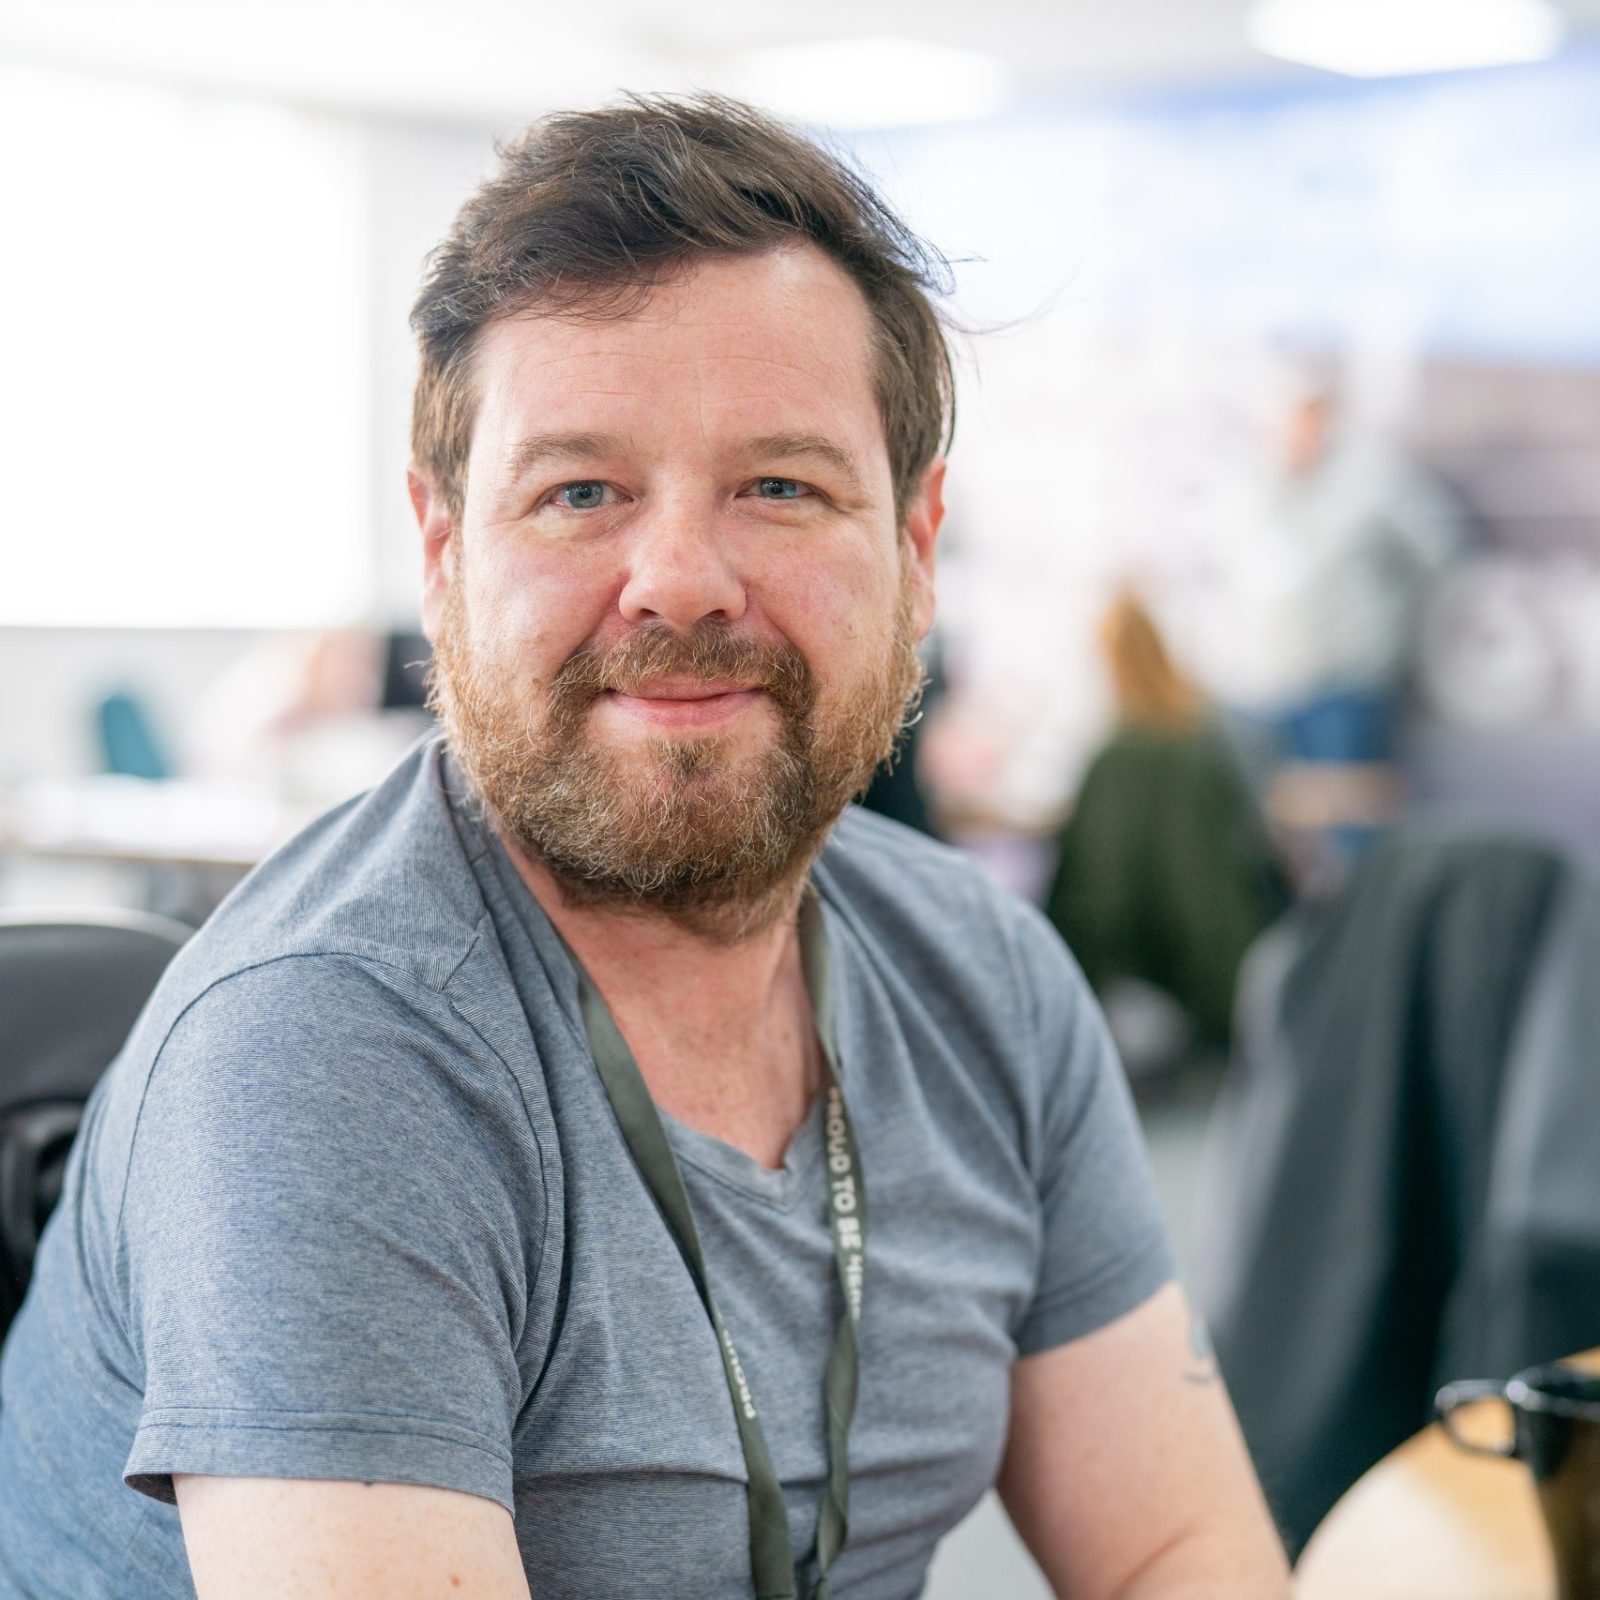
(722, 1030)
(743, 939)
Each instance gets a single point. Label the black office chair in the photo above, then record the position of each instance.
(71, 986)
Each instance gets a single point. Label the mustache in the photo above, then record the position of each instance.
(709, 651)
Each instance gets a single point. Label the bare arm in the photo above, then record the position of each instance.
(299, 1539)
(1125, 1472)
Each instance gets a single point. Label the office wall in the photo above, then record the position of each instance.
(417, 175)
(50, 679)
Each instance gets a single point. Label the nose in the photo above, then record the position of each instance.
(680, 571)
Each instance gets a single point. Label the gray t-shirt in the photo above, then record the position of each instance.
(351, 1203)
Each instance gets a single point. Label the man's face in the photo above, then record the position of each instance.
(675, 628)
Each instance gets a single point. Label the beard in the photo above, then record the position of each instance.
(702, 830)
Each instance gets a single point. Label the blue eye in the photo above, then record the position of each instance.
(779, 489)
(584, 496)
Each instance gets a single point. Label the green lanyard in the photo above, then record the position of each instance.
(771, 1558)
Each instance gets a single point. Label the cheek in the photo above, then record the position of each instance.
(528, 622)
(840, 616)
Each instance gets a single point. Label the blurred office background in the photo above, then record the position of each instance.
(1186, 237)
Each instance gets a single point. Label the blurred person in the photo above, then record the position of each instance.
(303, 715)
(1321, 587)
(1165, 874)
(504, 1191)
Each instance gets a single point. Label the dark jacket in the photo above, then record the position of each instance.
(1406, 1160)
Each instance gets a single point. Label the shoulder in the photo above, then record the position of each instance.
(385, 880)
(936, 918)
(300, 1052)
(883, 868)
(323, 1044)
(363, 946)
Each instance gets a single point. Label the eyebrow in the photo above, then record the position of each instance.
(539, 448)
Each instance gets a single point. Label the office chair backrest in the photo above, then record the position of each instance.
(71, 986)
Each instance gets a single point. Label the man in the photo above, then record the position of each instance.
(1323, 579)
(578, 1167)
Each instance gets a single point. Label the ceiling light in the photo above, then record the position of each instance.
(1381, 38)
(872, 83)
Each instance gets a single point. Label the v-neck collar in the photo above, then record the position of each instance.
(778, 1187)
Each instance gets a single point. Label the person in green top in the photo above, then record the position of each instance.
(1165, 873)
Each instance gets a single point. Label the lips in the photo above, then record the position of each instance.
(684, 689)
(680, 705)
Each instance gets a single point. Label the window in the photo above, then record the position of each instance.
(184, 411)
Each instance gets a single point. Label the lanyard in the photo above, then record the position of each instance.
(771, 1558)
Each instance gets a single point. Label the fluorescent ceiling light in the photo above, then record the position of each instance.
(1382, 38)
(872, 83)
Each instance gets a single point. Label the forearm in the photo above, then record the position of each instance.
(1207, 1564)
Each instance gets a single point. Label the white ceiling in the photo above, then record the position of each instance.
(500, 61)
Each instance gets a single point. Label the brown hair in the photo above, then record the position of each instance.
(590, 209)
(1148, 688)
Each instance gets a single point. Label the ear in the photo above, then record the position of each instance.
(923, 518)
(438, 548)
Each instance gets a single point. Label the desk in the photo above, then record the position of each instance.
(134, 821)
(1431, 1522)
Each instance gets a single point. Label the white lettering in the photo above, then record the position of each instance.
(845, 1201)
(737, 1367)
(854, 1275)
(838, 1135)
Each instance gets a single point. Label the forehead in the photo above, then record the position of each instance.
(773, 343)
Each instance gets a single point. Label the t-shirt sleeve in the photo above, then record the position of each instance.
(331, 1222)
(1104, 1243)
